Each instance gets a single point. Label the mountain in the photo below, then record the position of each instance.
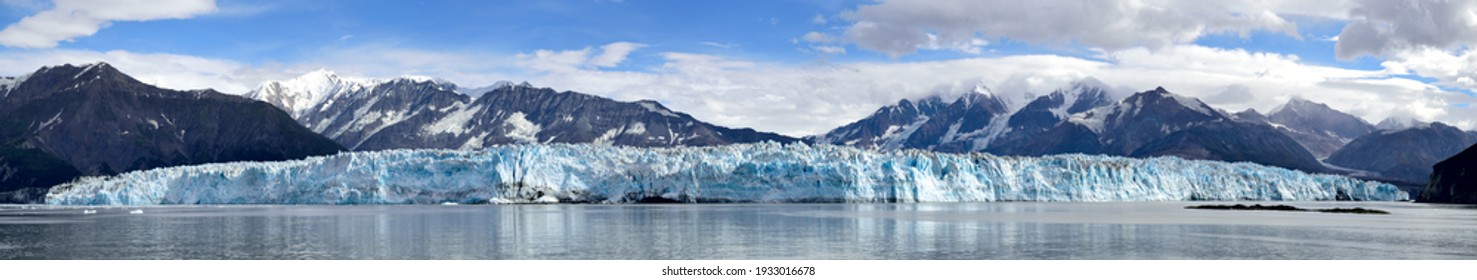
(365, 114)
(1144, 117)
(1046, 112)
(1398, 123)
(1405, 154)
(887, 128)
(1319, 128)
(1453, 180)
(968, 123)
(1233, 142)
(66, 121)
(1078, 119)
(1250, 116)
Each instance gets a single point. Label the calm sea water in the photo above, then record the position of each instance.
(1157, 230)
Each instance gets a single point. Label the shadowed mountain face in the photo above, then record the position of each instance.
(1319, 128)
(65, 121)
(1145, 117)
(1042, 115)
(1233, 142)
(1454, 180)
(976, 121)
(417, 113)
(1081, 119)
(1405, 154)
(964, 124)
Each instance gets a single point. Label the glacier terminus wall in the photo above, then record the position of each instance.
(766, 172)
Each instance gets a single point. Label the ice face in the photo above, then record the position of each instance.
(764, 172)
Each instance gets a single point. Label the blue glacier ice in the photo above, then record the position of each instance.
(764, 172)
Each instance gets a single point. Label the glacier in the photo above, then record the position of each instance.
(762, 172)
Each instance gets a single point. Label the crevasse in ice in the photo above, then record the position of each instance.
(765, 172)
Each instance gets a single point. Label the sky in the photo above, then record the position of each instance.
(793, 67)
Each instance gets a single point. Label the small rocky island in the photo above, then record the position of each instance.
(1279, 207)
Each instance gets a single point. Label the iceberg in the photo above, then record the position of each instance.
(762, 172)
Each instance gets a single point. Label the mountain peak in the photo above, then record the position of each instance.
(1298, 104)
(320, 72)
(1317, 126)
(1089, 82)
(1398, 122)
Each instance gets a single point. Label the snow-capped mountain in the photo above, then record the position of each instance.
(1046, 112)
(1404, 154)
(1454, 180)
(968, 123)
(888, 127)
(1398, 123)
(365, 114)
(765, 172)
(1319, 128)
(1082, 119)
(1143, 117)
(1250, 116)
(64, 121)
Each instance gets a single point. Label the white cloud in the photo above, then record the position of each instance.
(817, 37)
(830, 49)
(899, 27)
(164, 70)
(718, 45)
(70, 19)
(1386, 27)
(1233, 94)
(614, 53)
(571, 60)
(971, 46)
(818, 19)
(1453, 70)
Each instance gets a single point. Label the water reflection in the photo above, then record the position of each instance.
(785, 231)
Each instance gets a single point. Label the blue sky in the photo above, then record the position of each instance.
(825, 62)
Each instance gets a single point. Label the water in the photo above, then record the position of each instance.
(1139, 230)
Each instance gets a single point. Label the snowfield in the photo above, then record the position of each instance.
(768, 172)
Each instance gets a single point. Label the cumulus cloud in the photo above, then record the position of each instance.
(899, 27)
(1386, 27)
(1233, 94)
(1433, 39)
(70, 19)
(1453, 70)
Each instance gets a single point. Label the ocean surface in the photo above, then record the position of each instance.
(1014, 230)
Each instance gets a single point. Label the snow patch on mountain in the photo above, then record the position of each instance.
(454, 123)
(521, 129)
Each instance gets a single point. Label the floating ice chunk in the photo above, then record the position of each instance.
(89, 211)
(136, 211)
